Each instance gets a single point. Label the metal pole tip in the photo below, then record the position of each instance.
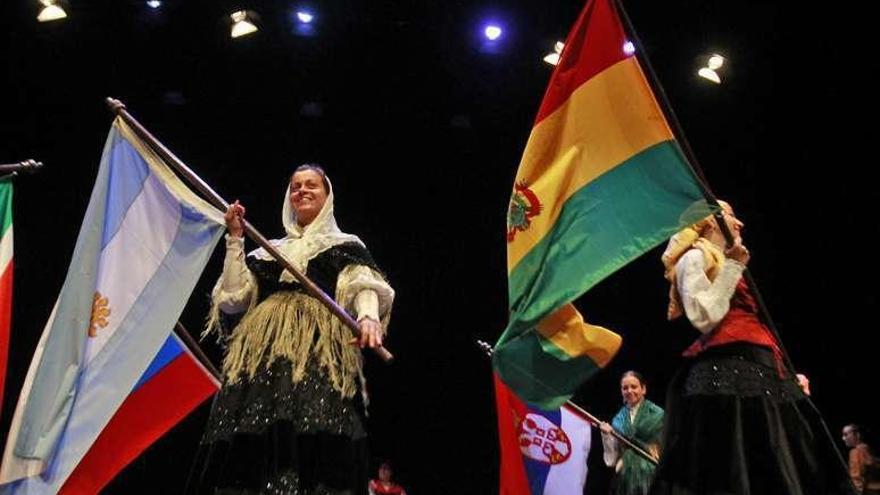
(115, 104)
(485, 346)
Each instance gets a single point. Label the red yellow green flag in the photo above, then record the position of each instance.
(602, 180)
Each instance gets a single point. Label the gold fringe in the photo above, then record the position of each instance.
(212, 323)
(284, 326)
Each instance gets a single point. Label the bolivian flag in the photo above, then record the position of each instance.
(602, 180)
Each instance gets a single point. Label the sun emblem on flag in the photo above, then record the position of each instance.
(100, 313)
(524, 205)
(542, 440)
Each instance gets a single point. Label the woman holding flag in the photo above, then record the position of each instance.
(639, 420)
(738, 420)
(289, 418)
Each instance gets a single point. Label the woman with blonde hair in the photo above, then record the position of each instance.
(737, 419)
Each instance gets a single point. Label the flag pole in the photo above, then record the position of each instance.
(191, 343)
(593, 420)
(215, 199)
(695, 168)
(11, 170)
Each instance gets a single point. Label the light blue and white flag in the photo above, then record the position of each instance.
(143, 244)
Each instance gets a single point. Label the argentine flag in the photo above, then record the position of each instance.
(143, 244)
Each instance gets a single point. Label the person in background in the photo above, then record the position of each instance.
(641, 421)
(384, 484)
(863, 466)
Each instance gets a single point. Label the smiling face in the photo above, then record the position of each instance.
(632, 389)
(307, 195)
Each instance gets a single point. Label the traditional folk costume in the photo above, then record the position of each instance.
(290, 416)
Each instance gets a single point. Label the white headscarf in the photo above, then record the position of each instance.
(304, 243)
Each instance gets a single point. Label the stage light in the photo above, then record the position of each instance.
(51, 11)
(707, 73)
(492, 32)
(716, 61)
(553, 57)
(242, 24)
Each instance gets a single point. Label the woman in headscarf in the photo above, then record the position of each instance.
(290, 416)
(641, 421)
(737, 419)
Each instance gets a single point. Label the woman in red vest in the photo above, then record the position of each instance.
(738, 421)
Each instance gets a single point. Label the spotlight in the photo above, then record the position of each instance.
(492, 32)
(552, 58)
(712, 71)
(707, 73)
(51, 11)
(716, 61)
(242, 24)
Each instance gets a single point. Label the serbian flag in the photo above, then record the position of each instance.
(105, 379)
(543, 452)
(602, 180)
(5, 277)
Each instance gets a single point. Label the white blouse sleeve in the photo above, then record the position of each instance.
(610, 449)
(365, 293)
(706, 302)
(234, 292)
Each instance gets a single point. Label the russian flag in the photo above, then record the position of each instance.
(175, 383)
(543, 452)
(108, 377)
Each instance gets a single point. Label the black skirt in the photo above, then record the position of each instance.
(735, 426)
(268, 435)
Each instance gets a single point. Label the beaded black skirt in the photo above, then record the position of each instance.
(734, 425)
(268, 435)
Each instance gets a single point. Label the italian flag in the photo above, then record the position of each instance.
(5, 276)
(602, 180)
